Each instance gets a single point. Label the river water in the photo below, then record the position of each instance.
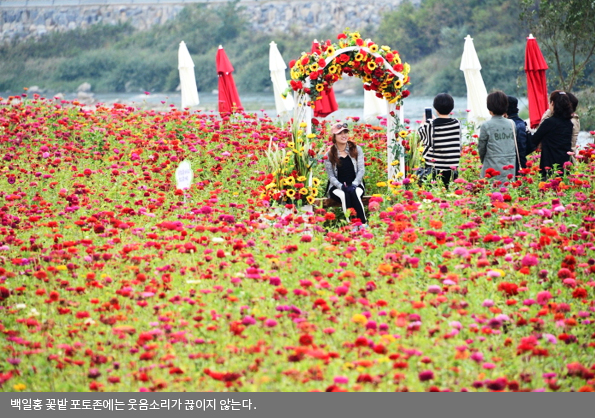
(350, 105)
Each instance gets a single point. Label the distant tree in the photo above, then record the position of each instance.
(566, 29)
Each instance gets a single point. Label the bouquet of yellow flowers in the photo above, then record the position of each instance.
(290, 171)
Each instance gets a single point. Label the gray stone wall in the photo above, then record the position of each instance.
(40, 17)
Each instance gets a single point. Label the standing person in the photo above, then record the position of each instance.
(576, 124)
(521, 132)
(555, 134)
(441, 139)
(344, 165)
(496, 146)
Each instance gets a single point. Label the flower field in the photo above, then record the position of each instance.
(113, 280)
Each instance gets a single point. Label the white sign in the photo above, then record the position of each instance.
(184, 175)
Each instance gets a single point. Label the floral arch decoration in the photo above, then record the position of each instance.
(379, 67)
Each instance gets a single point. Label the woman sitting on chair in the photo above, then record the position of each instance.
(344, 165)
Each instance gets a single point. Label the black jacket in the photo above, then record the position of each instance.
(555, 136)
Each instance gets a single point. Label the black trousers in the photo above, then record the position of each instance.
(352, 200)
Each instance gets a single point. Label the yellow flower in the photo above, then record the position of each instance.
(303, 124)
(398, 84)
(394, 163)
(314, 67)
(385, 48)
(403, 133)
(406, 68)
(290, 144)
(310, 199)
(330, 50)
(359, 319)
(319, 87)
(381, 184)
(332, 69)
(269, 186)
(355, 35)
(367, 78)
(290, 181)
(315, 182)
(311, 136)
(290, 193)
(373, 48)
(387, 95)
(313, 191)
(371, 65)
(301, 179)
(304, 191)
(19, 387)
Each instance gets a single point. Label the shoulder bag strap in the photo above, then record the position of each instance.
(518, 156)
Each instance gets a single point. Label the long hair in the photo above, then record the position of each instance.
(333, 155)
(562, 104)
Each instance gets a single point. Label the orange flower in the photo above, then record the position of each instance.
(409, 237)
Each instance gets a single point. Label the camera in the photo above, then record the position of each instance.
(429, 113)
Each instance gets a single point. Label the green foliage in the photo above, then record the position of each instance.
(431, 36)
(566, 31)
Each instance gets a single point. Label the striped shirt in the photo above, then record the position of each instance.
(441, 139)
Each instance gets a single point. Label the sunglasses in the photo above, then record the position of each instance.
(341, 125)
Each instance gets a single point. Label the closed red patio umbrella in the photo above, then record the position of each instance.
(229, 100)
(535, 67)
(327, 104)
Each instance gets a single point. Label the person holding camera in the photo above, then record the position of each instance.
(344, 165)
(441, 140)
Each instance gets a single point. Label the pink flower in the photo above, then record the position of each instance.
(543, 297)
(434, 289)
(529, 260)
(341, 290)
(488, 366)
(341, 380)
(477, 357)
(270, 323)
(306, 238)
(248, 320)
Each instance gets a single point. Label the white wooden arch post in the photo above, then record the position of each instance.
(303, 112)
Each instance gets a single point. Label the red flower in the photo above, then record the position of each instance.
(306, 339)
(510, 289)
(579, 293)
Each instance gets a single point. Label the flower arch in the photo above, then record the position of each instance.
(379, 67)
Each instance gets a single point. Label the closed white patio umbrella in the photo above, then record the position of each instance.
(476, 90)
(277, 67)
(187, 78)
(374, 106)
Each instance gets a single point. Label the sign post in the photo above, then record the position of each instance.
(184, 177)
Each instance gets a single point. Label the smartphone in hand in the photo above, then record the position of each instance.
(429, 113)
